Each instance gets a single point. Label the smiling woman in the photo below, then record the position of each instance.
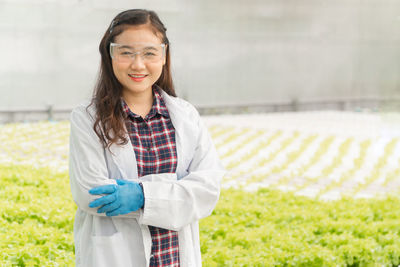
(143, 167)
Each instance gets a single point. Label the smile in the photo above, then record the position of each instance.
(137, 78)
(137, 75)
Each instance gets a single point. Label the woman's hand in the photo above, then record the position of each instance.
(122, 198)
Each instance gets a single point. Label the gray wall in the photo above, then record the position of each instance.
(223, 52)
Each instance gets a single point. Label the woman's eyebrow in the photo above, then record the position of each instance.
(126, 46)
(150, 48)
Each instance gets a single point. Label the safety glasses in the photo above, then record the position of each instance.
(148, 52)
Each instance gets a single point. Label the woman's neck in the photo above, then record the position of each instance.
(139, 103)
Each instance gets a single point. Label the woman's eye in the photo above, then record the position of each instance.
(126, 53)
(149, 54)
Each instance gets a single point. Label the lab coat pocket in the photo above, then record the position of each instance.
(110, 251)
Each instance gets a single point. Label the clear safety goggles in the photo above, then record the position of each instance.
(150, 53)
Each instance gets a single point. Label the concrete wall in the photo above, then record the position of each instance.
(223, 52)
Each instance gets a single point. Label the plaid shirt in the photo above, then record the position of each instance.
(153, 139)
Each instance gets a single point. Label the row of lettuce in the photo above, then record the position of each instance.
(265, 228)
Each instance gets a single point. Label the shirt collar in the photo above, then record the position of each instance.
(158, 107)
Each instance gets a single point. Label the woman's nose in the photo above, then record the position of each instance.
(137, 61)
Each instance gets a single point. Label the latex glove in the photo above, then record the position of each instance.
(122, 198)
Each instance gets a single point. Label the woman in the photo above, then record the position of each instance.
(143, 168)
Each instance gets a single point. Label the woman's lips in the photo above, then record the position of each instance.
(137, 79)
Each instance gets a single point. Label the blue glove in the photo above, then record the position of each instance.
(122, 198)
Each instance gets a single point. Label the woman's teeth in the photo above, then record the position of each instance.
(137, 76)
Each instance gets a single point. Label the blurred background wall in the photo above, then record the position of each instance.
(224, 53)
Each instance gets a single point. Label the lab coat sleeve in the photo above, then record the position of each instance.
(87, 164)
(173, 204)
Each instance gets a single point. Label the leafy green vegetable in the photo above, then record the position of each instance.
(274, 228)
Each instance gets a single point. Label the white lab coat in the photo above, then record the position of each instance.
(173, 201)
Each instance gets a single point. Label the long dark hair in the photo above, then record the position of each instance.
(107, 92)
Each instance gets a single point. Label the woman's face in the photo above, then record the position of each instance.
(135, 37)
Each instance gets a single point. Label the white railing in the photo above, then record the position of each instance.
(355, 104)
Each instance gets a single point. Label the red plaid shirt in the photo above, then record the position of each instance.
(153, 139)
